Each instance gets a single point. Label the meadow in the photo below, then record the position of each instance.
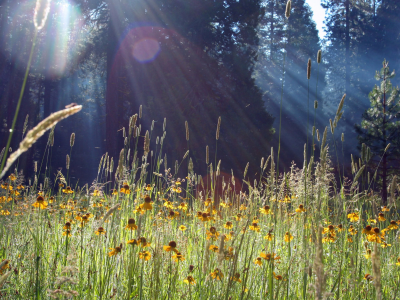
(140, 232)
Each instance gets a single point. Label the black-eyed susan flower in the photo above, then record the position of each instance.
(255, 227)
(182, 228)
(169, 204)
(217, 274)
(125, 189)
(171, 247)
(183, 206)
(381, 217)
(133, 242)
(372, 221)
(147, 203)
(266, 210)
(148, 187)
(4, 212)
(172, 215)
(145, 255)
(243, 207)
(269, 236)
(67, 226)
(12, 177)
(238, 217)
(177, 257)
(330, 229)
(20, 187)
(176, 189)
(368, 277)
(398, 261)
(208, 202)
(40, 203)
(131, 224)
(258, 261)
(114, 192)
(115, 251)
(100, 231)
(4, 265)
(213, 248)
(367, 230)
(288, 237)
(354, 217)
(143, 242)
(300, 209)
(393, 225)
(236, 278)
(205, 217)
(277, 277)
(385, 245)
(340, 228)
(385, 208)
(67, 190)
(349, 239)
(329, 238)
(139, 210)
(67, 233)
(376, 236)
(189, 280)
(352, 230)
(212, 233)
(4, 186)
(228, 225)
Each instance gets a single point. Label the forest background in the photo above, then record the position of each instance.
(192, 60)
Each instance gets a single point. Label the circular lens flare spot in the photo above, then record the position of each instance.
(146, 50)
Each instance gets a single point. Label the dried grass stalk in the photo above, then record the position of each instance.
(376, 271)
(33, 135)
(319, 266)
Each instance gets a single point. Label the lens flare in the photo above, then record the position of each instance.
(146, 50)
(58, 42)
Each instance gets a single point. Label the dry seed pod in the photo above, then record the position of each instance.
(187, 130)
(288, 8)
(25, 125)
(315, 104)
(40, 14)
(72, 139)
(147, 142)
(218, 128)
(319, 54)
(67, 161)
(34, 134)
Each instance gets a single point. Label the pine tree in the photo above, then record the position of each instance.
(380, 126)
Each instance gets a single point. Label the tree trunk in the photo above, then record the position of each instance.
(347, 45)
(112, 101)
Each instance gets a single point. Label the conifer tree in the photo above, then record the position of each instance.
(380, 126)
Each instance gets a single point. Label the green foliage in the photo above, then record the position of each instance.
(380, 124)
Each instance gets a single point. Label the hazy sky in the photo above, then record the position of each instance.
(319, 15)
